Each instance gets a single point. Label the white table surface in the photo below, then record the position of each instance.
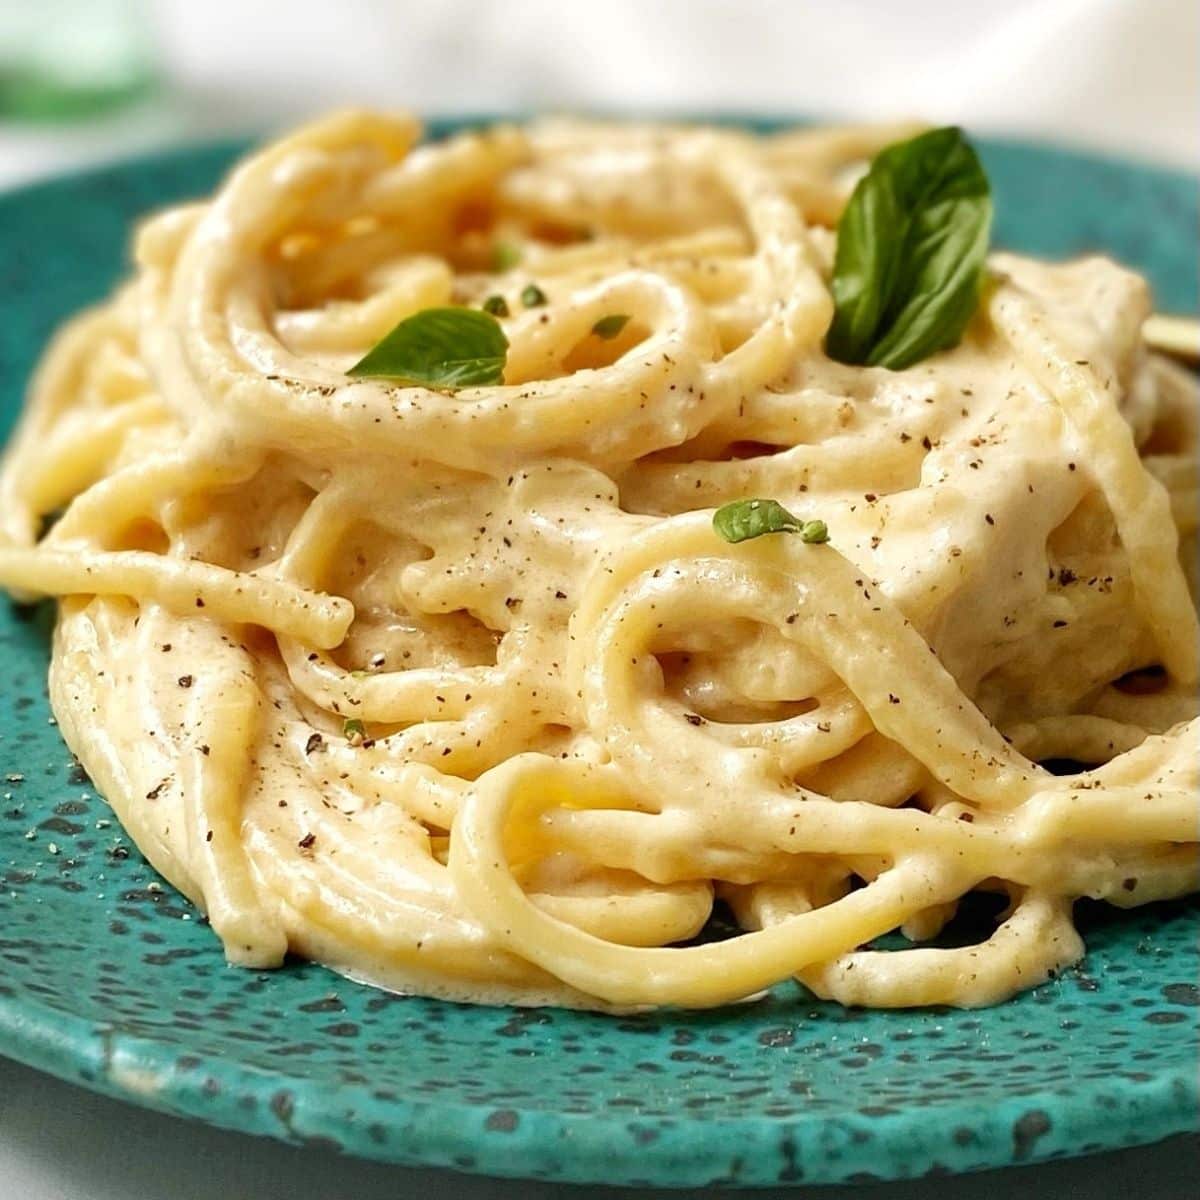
(1118, 74)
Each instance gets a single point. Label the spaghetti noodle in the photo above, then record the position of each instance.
(460, 693)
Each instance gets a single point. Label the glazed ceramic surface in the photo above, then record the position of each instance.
(111, 980)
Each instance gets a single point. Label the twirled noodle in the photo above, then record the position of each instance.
(461, 694)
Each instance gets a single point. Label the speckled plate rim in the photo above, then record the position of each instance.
(147, 1071)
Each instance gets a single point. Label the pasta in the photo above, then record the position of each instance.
(460, 693)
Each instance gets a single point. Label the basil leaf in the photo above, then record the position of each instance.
(608, 327)
(442, 347)
(910, 252)
(741, 520)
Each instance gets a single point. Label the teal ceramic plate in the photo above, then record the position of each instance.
(111, 980)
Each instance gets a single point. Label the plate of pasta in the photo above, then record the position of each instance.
(634, 652)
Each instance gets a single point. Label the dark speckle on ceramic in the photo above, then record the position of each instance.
(1027, 1129)
(108, 978)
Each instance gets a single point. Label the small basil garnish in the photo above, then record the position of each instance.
(441, 347)
(910, 252)
(532, 296)
(608, 327)
(741, 520)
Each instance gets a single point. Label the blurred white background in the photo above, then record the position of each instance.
(1121, 75)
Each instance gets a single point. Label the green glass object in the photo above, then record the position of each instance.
(70, 59)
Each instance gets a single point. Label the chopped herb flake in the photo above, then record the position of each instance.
(505, 256)
(608, 327)
(742, 520)
(532, 296)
